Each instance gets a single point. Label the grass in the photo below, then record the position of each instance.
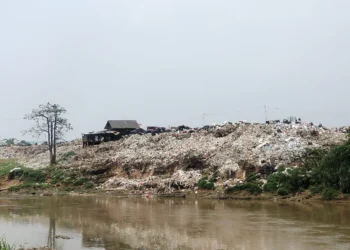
(26, 174)
(29, 185)
(67, 156)
(68, 180)
(30, 178)
(57, 176)
(80, 181)
(33, 175)
(41, 179)
(4, 245)
(6, 166)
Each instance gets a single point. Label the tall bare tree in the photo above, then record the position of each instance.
(50, 121)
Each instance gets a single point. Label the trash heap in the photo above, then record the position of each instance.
(179, 180)
(177, 160)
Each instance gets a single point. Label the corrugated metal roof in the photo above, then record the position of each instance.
(122, 124)
(101, 132)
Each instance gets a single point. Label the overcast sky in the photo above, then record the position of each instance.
(165, 62)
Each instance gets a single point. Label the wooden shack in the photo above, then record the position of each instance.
(114, 130)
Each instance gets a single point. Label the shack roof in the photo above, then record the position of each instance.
(122, 124)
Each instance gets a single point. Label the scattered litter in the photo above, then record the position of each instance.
(178, 159)
(63, 237)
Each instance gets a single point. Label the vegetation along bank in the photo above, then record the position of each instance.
(259, 161)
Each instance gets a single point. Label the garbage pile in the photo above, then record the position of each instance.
(179, 180)
(177, 160)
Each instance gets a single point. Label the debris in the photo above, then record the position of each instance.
(176, 160)
(63, 237)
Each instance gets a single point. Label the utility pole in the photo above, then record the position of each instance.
(265, 113)
(203, 116)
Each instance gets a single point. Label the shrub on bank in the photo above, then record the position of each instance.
(57, 176)
(89, 185)
(39, 179)
(329, 194)
(288, 181)
(14, 170)
(33, 175)
(80, 181)
(252, 178)
(205, 183)
(324, 172)
(283, 191)
(334, 169)
(36, 186)
(252, 184)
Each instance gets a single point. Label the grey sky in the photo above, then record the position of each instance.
(165, 62)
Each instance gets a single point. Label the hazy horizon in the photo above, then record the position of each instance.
(166, 62)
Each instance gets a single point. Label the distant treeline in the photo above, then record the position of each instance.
(13, 141)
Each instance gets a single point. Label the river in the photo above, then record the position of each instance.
(149, 224)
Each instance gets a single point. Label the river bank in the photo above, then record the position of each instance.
(303, 197)
(276, 161)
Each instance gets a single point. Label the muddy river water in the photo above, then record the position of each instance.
(147, 224)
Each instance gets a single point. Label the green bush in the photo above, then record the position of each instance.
(292, 180)
(282, 191)
(252, 178)
(312, 158)
(315, 189)
(205, 183)
(329, 194)
(68, 181)
(57, 177)
(272, 182)
(80, 181)
(270, 186)
(33, 175)
(89, 185)
(322, 171)
(334, 169)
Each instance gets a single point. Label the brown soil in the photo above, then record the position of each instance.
(6, 184)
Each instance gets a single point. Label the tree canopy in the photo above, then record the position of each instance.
(50, 120)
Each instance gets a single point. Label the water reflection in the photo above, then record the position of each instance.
(111, 223)
(51, 236)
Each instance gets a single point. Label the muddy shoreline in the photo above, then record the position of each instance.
(229, 162)
(304, 197)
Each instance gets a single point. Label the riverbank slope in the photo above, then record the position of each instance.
(170, 162)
